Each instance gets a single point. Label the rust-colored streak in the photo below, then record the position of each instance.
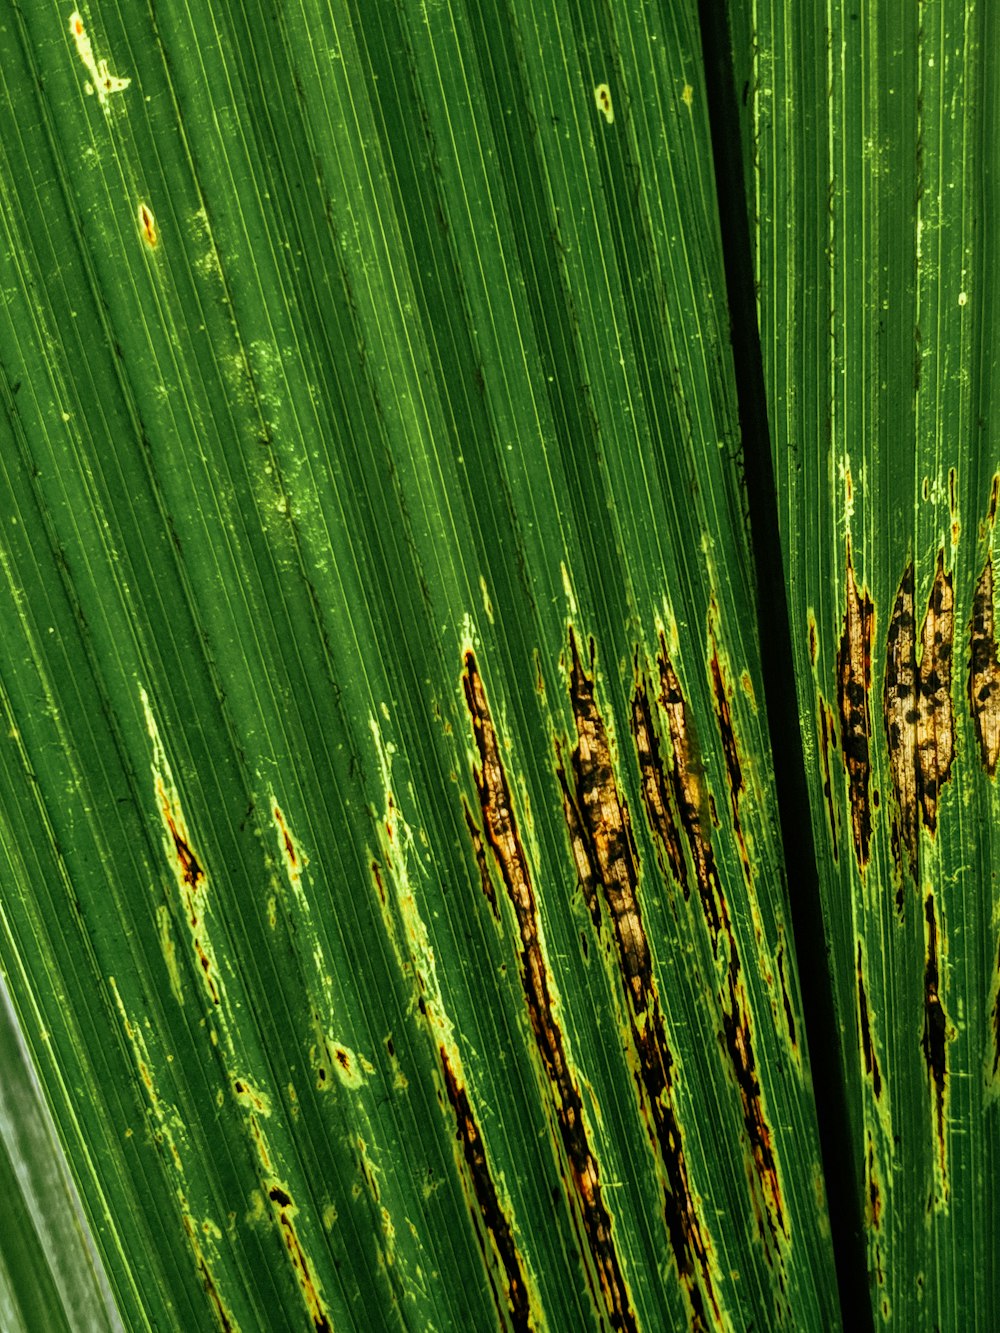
(867, 1045)
(503, 835)
(307, 1285)
(900, 707)
(655, 791)
(494, 1219)
(690, 794)
(935, 1035)
(827, 741)
(616, 866)
(854, 684)
(489, 893)
(692, 803)
(935, 724)
(984, 671)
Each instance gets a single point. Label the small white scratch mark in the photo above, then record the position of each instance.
(602, 100)
(962, 298)
(567, 583)
(102, 81)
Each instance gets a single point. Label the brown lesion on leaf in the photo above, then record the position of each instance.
(918, 709)
(656, 797)
(854, 671)
(691, 801)
(900, 708)
(502, 834)
(873, 1202)
(730, 750)
(984, 671)
(935, 723)
(222, 1316)
(188, 865)
(285, 1211)
(479, 851)
(934, 1040)
(786, 1002)
(611, 850)
(991, 516)
(578, 843)
(864, 1023)
(827, 742)
(517, 1310)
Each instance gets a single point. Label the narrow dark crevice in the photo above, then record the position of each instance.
(777, 663)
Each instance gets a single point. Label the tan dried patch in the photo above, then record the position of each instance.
(918, 709)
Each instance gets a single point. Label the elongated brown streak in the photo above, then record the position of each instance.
(692, 802)
(500, 825)
(518, 1304)
(615, 862)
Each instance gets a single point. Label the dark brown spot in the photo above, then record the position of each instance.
(854, 684)
(503, 836)
(984, 671)
(867, 1045)
(493, 1217)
